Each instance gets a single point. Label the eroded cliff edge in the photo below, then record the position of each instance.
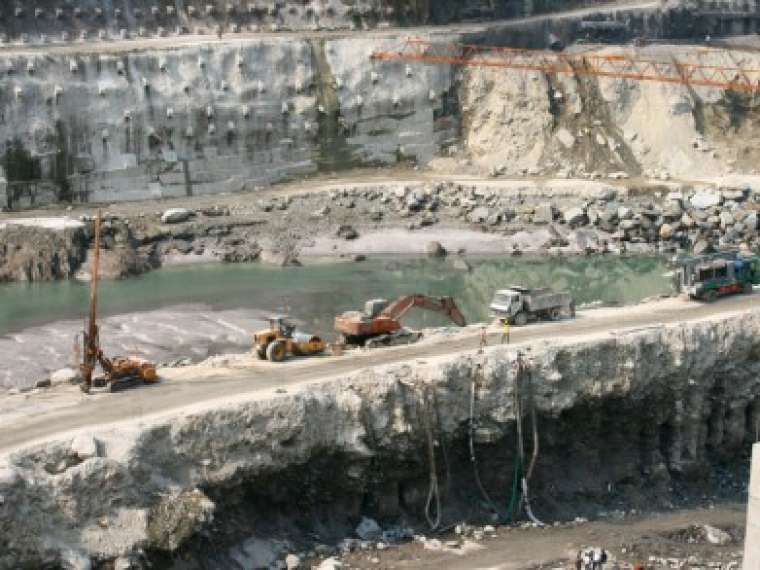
(638, 419)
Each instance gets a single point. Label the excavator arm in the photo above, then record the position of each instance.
(443, 305)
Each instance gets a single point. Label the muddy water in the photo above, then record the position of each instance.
(314, 294)
(200, 311)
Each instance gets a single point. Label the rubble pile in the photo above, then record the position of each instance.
(568, 217)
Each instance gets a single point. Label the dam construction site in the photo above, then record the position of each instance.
(392, 284)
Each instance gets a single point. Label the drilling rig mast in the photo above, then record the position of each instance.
(119, 371)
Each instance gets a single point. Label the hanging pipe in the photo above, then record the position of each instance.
(433, 491)
(521, 368)
(473, 458)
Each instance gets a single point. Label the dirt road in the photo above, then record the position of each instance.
(628, 541)
(26, 418)
(174, 42)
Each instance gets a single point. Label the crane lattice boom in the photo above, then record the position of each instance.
(588, 63)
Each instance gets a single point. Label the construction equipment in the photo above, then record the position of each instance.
(622, 66)
(281, 339)
(707, 277)
(380, 322)
(119, 372)
(518, 305)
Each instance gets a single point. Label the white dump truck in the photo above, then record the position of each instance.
(519, 305)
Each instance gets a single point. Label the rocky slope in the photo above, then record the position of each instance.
(577, 126)
(640, 419)
(499, 216)
(42, 252)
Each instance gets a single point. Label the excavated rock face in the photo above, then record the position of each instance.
(579, 126)
(38, 254)
(640, 419)
(202, 120)
(93, 20)
(179, 119)
(32, 252)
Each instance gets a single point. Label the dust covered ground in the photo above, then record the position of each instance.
(667, 540)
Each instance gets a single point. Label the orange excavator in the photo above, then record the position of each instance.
(120, 371)
(380, 322)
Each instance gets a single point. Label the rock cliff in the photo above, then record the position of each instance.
(637, 418)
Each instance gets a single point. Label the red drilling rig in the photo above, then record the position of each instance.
(119, 371)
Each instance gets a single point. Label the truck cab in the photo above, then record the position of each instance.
(520, 305)
(507, 303)
(711, 276)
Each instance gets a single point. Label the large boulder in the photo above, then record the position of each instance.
(256, 553)
(735, 194)
(628, 225)
(566, 138)
(176, 215)
(701, 247)
(479, 215)
(435, 249)
(716, 536)
(347, 232)
(65, 376)
(606, 194)
(84, 446)
(277, 258)
(575, 216)
(705, 199)
(176, 517)
(750, 222)
(624, 213)
(543, 214)
(368, 529)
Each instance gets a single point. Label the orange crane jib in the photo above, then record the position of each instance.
(588, 63)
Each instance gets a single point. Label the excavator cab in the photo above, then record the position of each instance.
(374, 307)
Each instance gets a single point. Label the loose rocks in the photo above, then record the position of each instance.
(347, 232)
(435, 249)
(176, 215)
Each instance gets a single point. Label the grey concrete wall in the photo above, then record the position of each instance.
(752, 541)
(205, 119)
(101, 20)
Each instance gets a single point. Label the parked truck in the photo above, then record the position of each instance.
(707, 277)
(519, 305)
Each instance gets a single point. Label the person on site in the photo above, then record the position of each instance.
(596, 559)
(504, 331)
(483, 339)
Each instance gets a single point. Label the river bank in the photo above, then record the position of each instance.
(346, 220)
(193, 312)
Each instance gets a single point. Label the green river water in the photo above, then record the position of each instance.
(314, 294)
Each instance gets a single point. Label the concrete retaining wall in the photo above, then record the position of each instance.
(203, 119)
